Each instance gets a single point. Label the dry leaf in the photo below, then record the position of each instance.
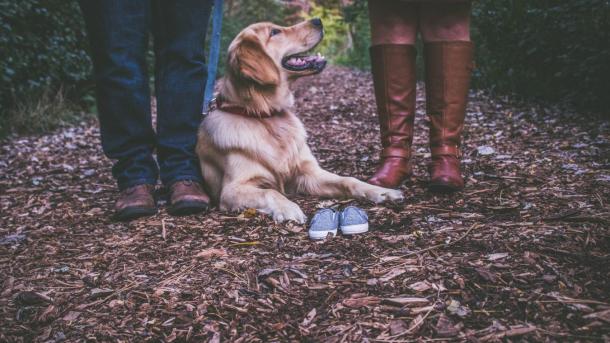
(420, 286)
(407, 301)
(71, 316)
(397, 326)
(392, 274)
(445, 327)
(361, 302)
(249, 213)
(497, 256)
(211, 253)
(309, 318)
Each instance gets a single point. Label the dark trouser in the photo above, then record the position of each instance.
(118, 31)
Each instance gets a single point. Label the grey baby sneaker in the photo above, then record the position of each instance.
(353, 220)
(325, 221)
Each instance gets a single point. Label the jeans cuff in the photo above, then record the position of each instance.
(193, 178)
(131, 183)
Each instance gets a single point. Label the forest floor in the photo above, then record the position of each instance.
(523, 253)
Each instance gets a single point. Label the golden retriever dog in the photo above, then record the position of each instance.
(252, 147)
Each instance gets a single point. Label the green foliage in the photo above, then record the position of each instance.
(557, 50)
(554, 50)
(42, 47)
(337, 38)
(347, 32)
(43, 58)
(356, 16)
(50, 110)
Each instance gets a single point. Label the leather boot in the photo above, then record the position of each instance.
(135, 202)
(448, 69)
(394, 78)
(187, 197)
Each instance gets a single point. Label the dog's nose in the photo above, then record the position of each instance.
(317, 22)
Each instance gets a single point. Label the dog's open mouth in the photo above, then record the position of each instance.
(298, 62)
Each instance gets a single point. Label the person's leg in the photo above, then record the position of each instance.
(118, 32)
(442, 22)
(179, 29)
(393, 54)
(393, 22)
(448, 55)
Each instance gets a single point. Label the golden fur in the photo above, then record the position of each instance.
(250, 162)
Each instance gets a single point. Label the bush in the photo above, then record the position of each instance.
(337, 39)
(347, 32)
(44, 58)
(556, 50)
(553, 50)
(357, 17)
(43, 50)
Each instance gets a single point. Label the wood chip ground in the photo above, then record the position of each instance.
(523, 253)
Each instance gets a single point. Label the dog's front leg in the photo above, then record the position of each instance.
(317, 181)
(237, 196)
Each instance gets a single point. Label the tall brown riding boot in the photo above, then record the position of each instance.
(448, 69)
(394, 78)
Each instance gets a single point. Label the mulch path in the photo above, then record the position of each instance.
(523, 253)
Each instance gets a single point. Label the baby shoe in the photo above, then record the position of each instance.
(353, 220)
(325, 221)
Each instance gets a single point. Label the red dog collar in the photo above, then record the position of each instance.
(242, 111)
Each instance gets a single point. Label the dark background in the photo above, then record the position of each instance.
(553, 51)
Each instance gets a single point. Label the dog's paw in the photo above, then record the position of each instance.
(379, 195)
(289, 211)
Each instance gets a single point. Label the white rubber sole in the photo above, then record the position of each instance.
(319, 235)
(354, 229)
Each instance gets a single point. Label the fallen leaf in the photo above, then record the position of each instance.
(211, 252)
(497, 256)
(32, 298)
(100, 293)
(406, 301)
(456, 308)
(398, 326)
(392, 274)
(416, 323)
(420, 286)
(445, 327)
(603, 315)
(249, 213)
(361, 302)
(487, 274)
(71, 316)
(485, 150)
(309, 318)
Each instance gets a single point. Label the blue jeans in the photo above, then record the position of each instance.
(119, 33)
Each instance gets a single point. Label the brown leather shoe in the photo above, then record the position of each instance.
(135, 202)
(394, 78)
(187, 197)
(448, 69)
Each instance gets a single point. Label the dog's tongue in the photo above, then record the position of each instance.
(299, 61)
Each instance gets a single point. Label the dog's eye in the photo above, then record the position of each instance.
(274, 32)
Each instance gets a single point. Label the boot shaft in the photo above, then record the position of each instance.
(448, 69)
(394, 78)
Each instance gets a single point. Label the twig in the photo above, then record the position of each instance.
(509, 333)
(414, 326)
(433, 247)
(420, 207)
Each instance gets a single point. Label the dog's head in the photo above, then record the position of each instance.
(265, 54)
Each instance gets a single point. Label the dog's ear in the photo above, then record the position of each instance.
(249, 60)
